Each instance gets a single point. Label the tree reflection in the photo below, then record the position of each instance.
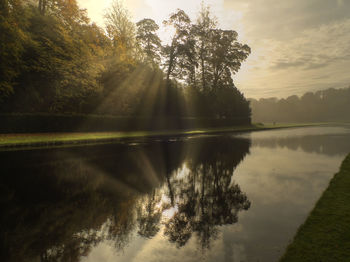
(207, 197)
(55, 205)
(59, 204)
(76, 247)
(149, 215)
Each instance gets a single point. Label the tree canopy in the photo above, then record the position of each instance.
(54, 60)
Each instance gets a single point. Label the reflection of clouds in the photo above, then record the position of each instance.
(105, 252)
(283, 175)
(159, 249)
(169, 213)
(101, 252)
(283, 186)
(235, 252)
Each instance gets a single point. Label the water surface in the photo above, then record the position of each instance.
(234, 197)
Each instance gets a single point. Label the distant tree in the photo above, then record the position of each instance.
(324, 105)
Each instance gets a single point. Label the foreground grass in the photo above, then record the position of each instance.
(16, 141)
(325, 236)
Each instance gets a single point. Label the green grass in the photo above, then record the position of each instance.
(38, 140)
(325, 235)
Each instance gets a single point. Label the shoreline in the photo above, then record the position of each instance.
(325, 234)
(29, 141)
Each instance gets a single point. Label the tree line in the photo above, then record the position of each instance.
(324, 105)
(54, 60)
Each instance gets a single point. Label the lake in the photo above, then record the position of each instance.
(233, 197)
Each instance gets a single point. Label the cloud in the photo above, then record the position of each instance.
(340, 3)
(283, 19)
(315, 48)
(294, 66)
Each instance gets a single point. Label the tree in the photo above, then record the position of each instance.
(204, 24)
(59, 64)
(149, 40)
(226, 56)
(121, 30)
(206, 58)
(177, 48)
(53, 60)
(11, 46)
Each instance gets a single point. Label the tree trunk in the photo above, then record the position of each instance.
(202, 65)
(42, 6)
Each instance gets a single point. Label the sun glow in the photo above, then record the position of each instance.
(159, 10)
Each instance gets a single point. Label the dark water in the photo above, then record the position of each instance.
(210, 198)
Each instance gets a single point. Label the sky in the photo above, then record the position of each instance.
(297, 46)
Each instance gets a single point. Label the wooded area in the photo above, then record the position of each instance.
(53, 60)
(328, 105)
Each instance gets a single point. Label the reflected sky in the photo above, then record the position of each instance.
(212, 198)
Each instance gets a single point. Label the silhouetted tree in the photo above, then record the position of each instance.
(149, 40)
(204, 25)
(181, 23)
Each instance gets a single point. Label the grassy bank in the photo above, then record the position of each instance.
(325, 236)
(30, 140)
